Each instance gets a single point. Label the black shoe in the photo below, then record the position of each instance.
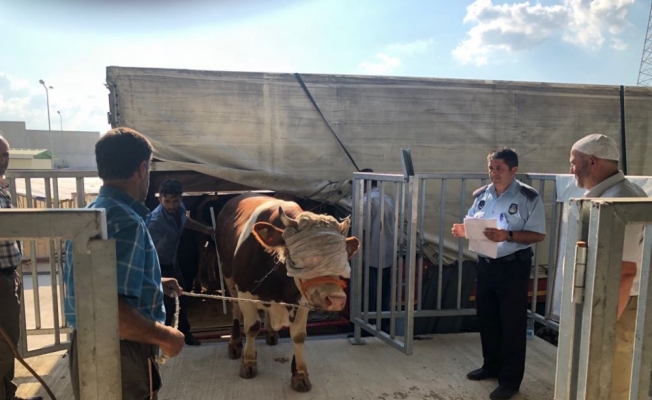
(502, 393)
(192, 341)
(480, 374)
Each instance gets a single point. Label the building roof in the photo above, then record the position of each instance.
(26, 153)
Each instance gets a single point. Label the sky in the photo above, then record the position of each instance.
(70, 43)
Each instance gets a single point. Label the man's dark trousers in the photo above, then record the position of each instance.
(501, 301)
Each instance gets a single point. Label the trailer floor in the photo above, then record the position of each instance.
(338, 370)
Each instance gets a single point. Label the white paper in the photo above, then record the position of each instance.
(475, 227)
(485, 247)
(478, 242)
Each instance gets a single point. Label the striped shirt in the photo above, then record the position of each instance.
(139, 272)
(10, 250)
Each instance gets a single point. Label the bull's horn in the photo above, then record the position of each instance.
(287, 221)
(344, 225)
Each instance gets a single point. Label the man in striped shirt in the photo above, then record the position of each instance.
(123, 162)
(11, 255)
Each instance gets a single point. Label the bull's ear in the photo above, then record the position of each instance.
(352, 246)
(268, 235)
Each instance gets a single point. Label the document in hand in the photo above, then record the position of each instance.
(478, 242)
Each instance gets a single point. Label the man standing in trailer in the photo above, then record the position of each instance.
(168, 221)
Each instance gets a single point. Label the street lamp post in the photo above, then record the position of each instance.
(47, 98)
(60, 119)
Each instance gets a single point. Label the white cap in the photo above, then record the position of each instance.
(599, 146)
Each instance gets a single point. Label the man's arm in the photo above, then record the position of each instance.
(135, 327)
(628, 273)
(528, 237)
(199, 227)
(534, 230)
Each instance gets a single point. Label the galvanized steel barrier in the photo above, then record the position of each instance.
(95, 282)
(585, 358)
(426, 206)
(41, 189)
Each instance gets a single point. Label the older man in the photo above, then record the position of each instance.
(594, 162)
(10, 257)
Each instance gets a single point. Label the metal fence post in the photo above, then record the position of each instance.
(98, 344)
(566, 371)
(603, 270)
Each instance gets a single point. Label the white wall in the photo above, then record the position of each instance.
(72, 149)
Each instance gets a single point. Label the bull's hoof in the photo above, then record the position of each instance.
(271, 338)
(248, 369)
(301, 383)
(235, 351)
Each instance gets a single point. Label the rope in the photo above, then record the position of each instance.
(6, 338)
(314, 103)
(270, 303)
(162, 359)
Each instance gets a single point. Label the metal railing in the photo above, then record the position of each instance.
(426, 206)
(95, 288)
(585, 358)
(43, 189)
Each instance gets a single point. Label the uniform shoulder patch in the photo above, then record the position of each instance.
(479, 191)
(529, 192)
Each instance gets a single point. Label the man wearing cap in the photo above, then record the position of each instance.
(502, 282)
(594, 162)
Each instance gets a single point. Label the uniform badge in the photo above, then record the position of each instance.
(481, 205)
(513, 209)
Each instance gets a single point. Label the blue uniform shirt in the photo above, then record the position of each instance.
(139, 272)
(166, 233)
(519, 208)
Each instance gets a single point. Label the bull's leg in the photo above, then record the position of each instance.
(249, 366)
(271, 336)
(235, 343)
(300, 379)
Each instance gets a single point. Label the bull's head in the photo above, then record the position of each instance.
(316, 253)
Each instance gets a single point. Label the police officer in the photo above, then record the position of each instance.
(502, 282)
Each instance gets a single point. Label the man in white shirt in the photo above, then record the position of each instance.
(594, 162)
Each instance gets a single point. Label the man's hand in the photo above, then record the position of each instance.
(496, 235)
(458, 231)
(174, 344)
(171, 287)
(209, 231)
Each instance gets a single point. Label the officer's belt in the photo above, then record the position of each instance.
(521, 254)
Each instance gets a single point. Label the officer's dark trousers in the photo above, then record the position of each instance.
(172, 271)
(501, 301)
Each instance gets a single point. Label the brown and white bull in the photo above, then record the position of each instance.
(272, 250)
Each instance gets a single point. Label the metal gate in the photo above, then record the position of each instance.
(42, 317)
(96, 289)
(425, 207)
(590, 298)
